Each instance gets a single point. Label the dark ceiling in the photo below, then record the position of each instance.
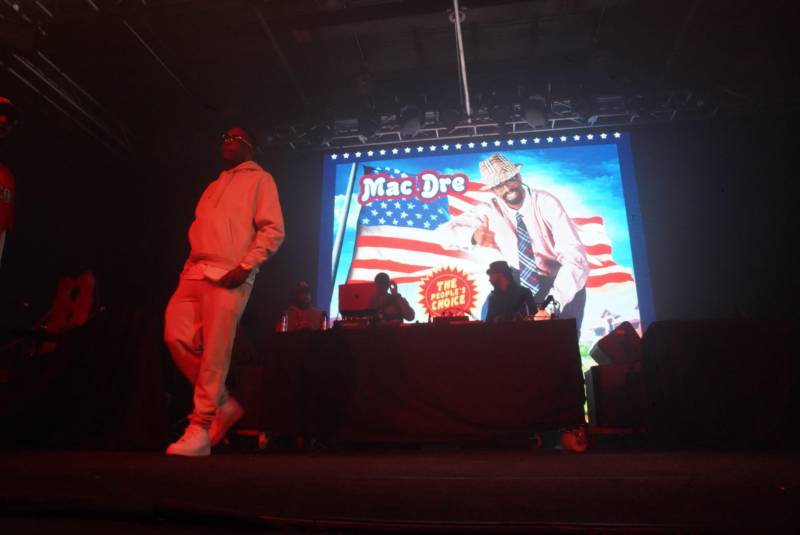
(127, 71)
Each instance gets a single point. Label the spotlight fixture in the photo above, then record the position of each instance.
(368, 122)
(535, 113)
(583, 107)
(450, 117)
(500, 113)
(410, 121)
(320, 134)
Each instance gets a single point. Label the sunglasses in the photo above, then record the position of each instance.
(226, 138)
(511, 182)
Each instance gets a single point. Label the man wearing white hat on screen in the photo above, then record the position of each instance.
(533, 233)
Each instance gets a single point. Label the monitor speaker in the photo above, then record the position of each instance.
(621, 346)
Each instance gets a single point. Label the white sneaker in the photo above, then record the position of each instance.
(228, 414)
(193, 443)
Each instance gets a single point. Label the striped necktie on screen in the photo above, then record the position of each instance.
(528, 274)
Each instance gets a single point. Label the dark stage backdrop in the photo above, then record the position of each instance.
(718, 201)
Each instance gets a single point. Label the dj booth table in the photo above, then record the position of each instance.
(417, 383)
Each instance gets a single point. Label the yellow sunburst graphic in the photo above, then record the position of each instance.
(448, 291)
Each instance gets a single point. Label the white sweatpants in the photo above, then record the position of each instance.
(200, 326)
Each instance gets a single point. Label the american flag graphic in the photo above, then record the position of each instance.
(396, 237)
(604, 271)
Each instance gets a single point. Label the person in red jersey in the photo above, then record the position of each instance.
(8, 120)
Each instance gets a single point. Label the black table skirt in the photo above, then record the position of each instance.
(419, 382)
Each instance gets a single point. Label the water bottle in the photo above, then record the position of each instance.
(284, 322)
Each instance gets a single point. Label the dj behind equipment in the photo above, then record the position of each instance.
(373, 303)
(379, 303)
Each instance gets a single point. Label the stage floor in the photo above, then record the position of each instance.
(402, 490)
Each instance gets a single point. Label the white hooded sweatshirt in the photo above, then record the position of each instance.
(238, 222)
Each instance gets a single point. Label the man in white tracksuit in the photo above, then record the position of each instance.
(238, 225)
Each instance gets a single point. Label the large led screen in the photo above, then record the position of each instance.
(435, 216)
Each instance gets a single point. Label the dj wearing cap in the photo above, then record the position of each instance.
(389, 304)
(508, 301)
(533, 233)
(300, 314)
